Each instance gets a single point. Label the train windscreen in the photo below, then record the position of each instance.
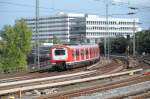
(59, 52)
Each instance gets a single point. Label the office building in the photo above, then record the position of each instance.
(74, 27)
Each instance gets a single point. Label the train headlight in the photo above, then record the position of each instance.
(48, 63)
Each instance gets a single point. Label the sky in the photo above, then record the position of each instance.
(11, 10)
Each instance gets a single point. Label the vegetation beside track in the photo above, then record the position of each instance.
(122, 45)
(14, 47)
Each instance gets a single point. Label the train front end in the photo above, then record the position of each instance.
(59, 56)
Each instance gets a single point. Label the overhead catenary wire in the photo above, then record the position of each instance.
(33, 6)
(19, 11)
(60, 10)
(27, 5)
(48, 9)
(133, 5)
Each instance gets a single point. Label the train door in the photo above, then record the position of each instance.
(87, 53)
(74, 54)
(77, 55)
(91, 53)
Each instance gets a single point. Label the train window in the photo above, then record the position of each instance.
(59, 52)
(96, 52)
(74, 53)
(82, 52)
(87, 52)
(93, 51)
(77, 52)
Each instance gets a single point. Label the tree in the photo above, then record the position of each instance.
(118, 45)
(1, 46)
(17, 41)
(24, 35)
(143, 41)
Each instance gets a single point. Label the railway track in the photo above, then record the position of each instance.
(114, 66)
(144, 59)
(93, 89)
(102, 69)
(6, 83)
(134, 95)
(37, 75)
(28, 76)
(40, 83)
(143, 95)
(147, 61)
(25, 77)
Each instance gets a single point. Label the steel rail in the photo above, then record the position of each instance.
(46, 78)
(25, 88)
(93, 89)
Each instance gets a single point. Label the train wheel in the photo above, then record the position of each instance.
(64, 66)
(55, 68)
(69, 67)
(61, 66)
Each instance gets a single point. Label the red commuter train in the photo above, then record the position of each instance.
(69, 56)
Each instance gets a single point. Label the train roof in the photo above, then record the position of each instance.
(77, 46)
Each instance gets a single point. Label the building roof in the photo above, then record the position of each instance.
(88, 16)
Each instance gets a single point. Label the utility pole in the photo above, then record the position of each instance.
(107, 43)
(134, 28)
(37, 32)
(105, 38)
(134, 37)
